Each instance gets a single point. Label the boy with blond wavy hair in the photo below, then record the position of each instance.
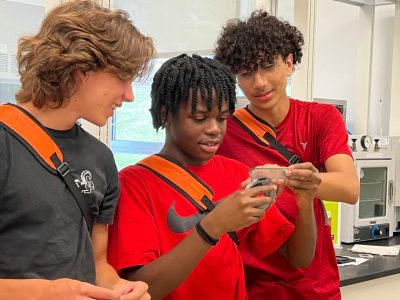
(80, 64)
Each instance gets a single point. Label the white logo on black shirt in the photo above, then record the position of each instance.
(86, 185)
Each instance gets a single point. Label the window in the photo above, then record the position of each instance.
(184, 27)
(7, 91)
(17, 18)
(132, 134)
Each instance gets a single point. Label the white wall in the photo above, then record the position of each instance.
(395, 95)
(336, 65)
(382, 54)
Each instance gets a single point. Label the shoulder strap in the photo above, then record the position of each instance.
(16, 120)
(32, 135)
(183, 180)
(263, 133)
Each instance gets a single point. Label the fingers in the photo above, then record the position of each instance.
(304, 172)
(134, 295)
(259, 202)
(96, 292)
(259, 190)
(240, 209)
(300, 183)
(261, 197)
(131, 290)
(299, 168)
(137, 291)
(269, 166)
(245, 183)
(303, 179)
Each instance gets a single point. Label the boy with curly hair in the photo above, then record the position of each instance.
(262, 52)
(80, 64)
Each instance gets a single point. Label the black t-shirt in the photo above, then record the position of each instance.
(42, 230)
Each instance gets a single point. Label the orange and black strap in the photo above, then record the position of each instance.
(263, 133)
(183, 180)
(25, 129)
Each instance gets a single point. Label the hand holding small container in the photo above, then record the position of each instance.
(266, 176)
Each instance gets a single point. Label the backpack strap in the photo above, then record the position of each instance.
(35, 138)
(183, 180)
(14, 119)
(263, 132)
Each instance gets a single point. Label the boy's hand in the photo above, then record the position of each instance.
(131, 290)
(238, 210)
(276, 181)
(69, 289)
(303, 179)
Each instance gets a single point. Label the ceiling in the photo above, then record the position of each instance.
(30, 2)
(368, 2)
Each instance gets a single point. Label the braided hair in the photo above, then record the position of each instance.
(179, 75)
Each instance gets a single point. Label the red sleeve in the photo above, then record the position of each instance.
(268, 235)
(133, 236)
(333, 134)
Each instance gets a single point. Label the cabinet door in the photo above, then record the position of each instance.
(375, 204)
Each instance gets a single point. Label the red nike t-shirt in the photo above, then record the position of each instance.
(314, 132)
(152, 218)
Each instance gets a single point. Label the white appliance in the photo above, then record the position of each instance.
(341, 105)
(372, 217)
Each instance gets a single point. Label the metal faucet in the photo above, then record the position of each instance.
(376, 147)
(353, 145)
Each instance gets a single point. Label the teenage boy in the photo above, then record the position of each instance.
(184, 203)
(262, 52)
(80, 64)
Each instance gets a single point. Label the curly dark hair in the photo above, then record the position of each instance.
(79, 36)
(183, 74)
(246, 45)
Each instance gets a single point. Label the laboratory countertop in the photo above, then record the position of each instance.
(376, 267)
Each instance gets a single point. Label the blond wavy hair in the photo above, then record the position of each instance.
(79, 36)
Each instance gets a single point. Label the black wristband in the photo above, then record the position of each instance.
(205, 236)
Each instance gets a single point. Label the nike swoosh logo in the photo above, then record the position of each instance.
(180, 224)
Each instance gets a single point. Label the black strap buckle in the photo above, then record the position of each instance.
(63, 169)
(294, 160)
(208, 203)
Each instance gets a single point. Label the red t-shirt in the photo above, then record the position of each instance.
(314, 132)
(142, 231)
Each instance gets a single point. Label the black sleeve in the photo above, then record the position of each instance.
(4, 158)
(107, 207)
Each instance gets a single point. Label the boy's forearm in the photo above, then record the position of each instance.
(339, 186)
(301, 244)
(26, 289)
(166, 273)
(106, 276)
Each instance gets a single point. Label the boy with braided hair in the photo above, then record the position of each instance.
(187, 244)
